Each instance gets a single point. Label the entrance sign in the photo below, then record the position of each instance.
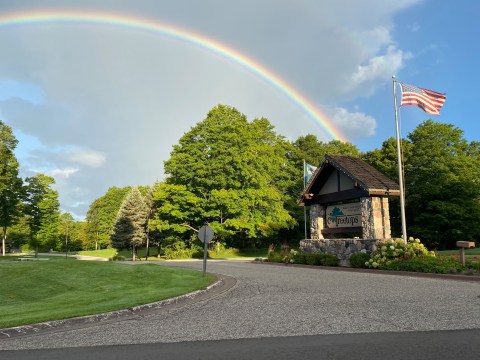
(344, 215)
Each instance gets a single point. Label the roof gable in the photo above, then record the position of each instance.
(365, 180)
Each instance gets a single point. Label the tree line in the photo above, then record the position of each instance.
(244, 179)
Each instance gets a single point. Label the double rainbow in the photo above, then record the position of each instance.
(28, 18)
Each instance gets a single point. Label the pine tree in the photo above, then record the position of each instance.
(130, 227)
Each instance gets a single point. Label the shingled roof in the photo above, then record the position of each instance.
(368, 180)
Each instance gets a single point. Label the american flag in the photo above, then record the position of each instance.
(429, 101)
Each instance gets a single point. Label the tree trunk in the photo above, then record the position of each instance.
(4, 240)
(133, 253)
(148, 248)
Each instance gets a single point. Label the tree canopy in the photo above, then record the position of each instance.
(231, 168)
(11, 185)
(131, 223)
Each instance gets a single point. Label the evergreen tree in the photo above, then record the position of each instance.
(130, 226)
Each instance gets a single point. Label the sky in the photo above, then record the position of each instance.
(96, 104)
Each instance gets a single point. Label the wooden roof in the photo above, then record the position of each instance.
(367, 180)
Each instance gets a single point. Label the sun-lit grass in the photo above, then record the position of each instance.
(36, 291)
(104, 253)
(127, 254)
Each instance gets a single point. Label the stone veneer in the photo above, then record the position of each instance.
(342, 248)
(375, 219)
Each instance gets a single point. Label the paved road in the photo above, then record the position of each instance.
(431, 345)
(278, 301)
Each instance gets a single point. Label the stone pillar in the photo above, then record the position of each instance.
(375, 218)
(317, 221)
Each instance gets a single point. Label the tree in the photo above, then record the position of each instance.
(66, 229)
(11, 185)
(385, 160)
(42, 209)
(442, 192)
(232, 168)
(102, 214)
(313, 151)
(442, 185)
(130, 226)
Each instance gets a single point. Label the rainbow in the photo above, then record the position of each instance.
(26, 18)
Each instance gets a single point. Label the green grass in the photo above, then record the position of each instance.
(37, 291)
(104, 253)
(127, 254)
(470, 254)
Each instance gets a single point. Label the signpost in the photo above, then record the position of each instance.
(205, 234)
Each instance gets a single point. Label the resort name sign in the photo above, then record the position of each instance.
(344, 215)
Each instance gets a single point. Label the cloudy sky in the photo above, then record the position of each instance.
(97, 105)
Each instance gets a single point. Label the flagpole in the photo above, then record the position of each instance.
(304, 207)
(400, 171)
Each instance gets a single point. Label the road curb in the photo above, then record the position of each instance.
(223, 284)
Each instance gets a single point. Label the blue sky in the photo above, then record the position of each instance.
(99, 106)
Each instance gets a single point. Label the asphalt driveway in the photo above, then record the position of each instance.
(272, 301)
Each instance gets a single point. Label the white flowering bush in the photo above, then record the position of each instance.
(290, 257)
(392, 250)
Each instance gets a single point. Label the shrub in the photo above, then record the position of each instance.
(359, 260)
(473, 265)
(428, 264)
(220, 251)
(179, 250)
(396, 250)
(320, 259)
(117, 257)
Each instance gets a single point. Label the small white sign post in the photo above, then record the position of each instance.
(205, 234)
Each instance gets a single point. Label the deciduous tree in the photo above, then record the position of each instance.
(11, 185)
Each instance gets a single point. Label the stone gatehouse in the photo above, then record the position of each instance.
(347, 195)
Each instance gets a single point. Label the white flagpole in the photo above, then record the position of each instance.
(400, 171)
(304, 206)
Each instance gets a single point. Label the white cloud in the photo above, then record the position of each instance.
(90, 158)
(353, 124)
(110, 93)
(63, 173)
(370, 75)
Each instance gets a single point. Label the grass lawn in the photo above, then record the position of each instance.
(37, 291)
(127, 254)
(470, 254)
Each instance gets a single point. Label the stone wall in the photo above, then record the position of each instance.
(342, 248)
(375, 218)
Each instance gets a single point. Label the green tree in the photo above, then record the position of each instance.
(11, 185)
(442, 185)
(385, 160)
(225, 157)
(101, 217)
(67, 231)
(130, 225)
(42, 209)
(313, 151)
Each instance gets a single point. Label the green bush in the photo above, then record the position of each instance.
(473, 265)
(179, 250)
(319, 259)
(395, 250)
(359, 260)
(427, 264)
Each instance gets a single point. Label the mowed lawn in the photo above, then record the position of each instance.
(37, 291)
